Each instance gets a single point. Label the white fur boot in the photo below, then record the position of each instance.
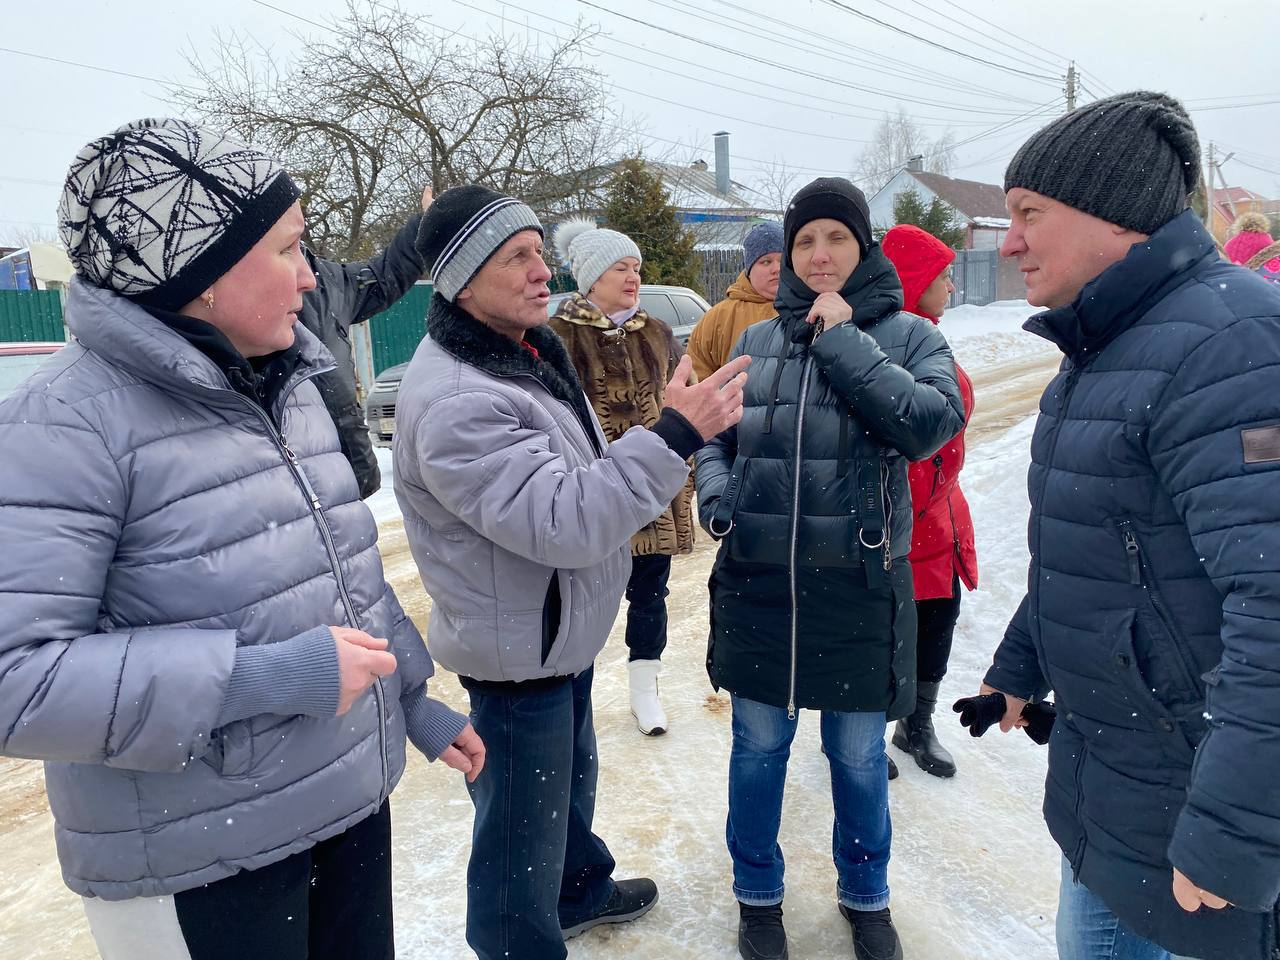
(644, 697)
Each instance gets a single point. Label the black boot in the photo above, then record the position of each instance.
(760, 933)
(893, 769)
(915, 735)
(874, 937)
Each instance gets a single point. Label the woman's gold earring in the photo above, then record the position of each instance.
(208, 301)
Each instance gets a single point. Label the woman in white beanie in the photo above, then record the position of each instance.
(624, 358)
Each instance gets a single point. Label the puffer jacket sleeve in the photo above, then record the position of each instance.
(1227, 839)
(363, 289)
(137, 698)
(501, 477)
(713, 464)
(1015, 669)
(914, 408)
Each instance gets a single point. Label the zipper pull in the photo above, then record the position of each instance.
(888, 553)
(288, 452)
(1135, 561)
(791, 709)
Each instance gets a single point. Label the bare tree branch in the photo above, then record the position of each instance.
(896, 140)
(367, 113)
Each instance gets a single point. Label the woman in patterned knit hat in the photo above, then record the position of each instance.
(197, 637)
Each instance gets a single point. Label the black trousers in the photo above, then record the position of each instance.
(647, 606)
(331, 902)
(935, 629)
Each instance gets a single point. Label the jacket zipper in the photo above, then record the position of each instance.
(1078, 857)
(795, 532)
(937, 479)
(291, 461)
(1140, 575)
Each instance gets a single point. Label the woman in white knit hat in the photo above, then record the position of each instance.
(624, 358)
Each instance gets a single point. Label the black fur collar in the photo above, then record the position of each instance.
(473, 343)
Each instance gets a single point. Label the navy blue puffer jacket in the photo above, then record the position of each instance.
(1153, 600)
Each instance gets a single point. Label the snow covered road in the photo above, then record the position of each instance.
(974, 873)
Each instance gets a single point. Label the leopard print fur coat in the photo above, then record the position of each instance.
(624, 371)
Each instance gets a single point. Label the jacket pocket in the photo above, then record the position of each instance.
(551, 611)
(231, 749)
(1167, 645)
(1138, 689)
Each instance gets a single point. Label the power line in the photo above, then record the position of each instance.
(807, 48)
(762, 96)
(1005, 30)
(775, 65)
(1233, 106)
(1254, 166)
(1043, 62)
(946, 81)
(933, 43)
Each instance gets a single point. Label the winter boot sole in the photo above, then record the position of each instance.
(652, 732)
(570, 932)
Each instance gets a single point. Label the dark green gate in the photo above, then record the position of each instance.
(28, 315)
(395, 333)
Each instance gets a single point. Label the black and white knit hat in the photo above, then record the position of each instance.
(588, 251)
(1132, 159)
(160, 209)
(463, 228)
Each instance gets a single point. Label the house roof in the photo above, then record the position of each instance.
(1223, 199)
(969, 197)
(694, 189)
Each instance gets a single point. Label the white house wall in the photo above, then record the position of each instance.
(881, 205)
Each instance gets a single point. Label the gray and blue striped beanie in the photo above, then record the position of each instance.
(463, 228)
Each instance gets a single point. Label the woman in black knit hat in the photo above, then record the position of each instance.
(811, 599)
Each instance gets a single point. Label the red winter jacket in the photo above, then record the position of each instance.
(942, 537)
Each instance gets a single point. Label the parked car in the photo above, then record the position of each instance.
(380, 405)
(680, 307)
(20, 360)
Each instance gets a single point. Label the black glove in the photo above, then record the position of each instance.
(1039, 717)
(979, 714)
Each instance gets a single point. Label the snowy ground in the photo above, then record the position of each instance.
(974, 874)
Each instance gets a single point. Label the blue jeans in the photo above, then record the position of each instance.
(1087, 930)
(860, 839)
(535, 864)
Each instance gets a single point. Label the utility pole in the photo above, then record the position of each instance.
(1071, 86)
(1214, 167)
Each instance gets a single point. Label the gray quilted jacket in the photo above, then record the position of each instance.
(506, 482)
(152, 520)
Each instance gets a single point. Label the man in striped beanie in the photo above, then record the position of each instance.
(520, 515)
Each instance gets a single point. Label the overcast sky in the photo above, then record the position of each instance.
(1211, 56)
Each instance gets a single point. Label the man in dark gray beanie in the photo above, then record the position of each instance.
(520, 515)
(1154, 589)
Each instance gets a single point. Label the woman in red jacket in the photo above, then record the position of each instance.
(942, 551)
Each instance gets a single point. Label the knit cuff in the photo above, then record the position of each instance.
(431, 726)
(678, 434)
(294, 676)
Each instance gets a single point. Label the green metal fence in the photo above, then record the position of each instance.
(395, 332)
(27, 315)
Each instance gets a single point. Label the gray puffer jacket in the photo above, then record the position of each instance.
(151, 521)
(519, 519)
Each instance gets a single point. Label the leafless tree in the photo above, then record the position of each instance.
(381, 103)
(25, 236)
(897, 139)
(777, 183)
